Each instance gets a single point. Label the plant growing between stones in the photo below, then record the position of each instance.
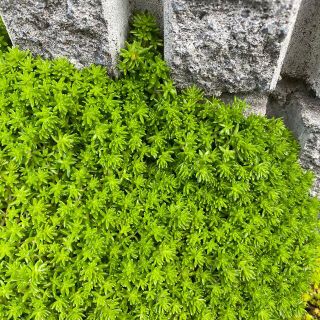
(124, 199)
(5, 41)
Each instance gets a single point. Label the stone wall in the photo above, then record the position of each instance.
(303, 56)
(228, 46)
(255, 49)
(84, 31)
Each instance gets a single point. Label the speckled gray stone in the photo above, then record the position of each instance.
(85, 31)
(303, 118)
(300, 110)
(228, 46)
(303, 56)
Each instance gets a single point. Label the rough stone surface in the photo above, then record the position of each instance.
(301, 113)
(303, 118)
(85, 31)
(228, 46)
(303, 56)
(280, 97)
(117, 15)
(153, 6)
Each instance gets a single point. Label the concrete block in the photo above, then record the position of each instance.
(85, 31)
(300, 110)
(303, 118)
(303, 56)
(281, 96)
(228, 46)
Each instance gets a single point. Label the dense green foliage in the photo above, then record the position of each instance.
(123, 199)
(312, 298)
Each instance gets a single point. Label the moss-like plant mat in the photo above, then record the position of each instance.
(312, 297)
(123, 199)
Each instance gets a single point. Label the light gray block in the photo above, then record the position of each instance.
(300, 111)
(303, 57)
(303, 118)
(228, 46)
(85, 31)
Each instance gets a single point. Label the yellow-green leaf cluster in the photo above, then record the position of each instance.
(124, 199)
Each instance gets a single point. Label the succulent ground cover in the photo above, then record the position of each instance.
(312, 297)
(125, 199)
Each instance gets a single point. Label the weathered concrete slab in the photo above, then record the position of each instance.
(300, 111)
(228, 46)
(303, 56)
(303, 118)
(85, 31)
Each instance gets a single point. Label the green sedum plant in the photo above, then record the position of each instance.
(124, 199)
(312, 297)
